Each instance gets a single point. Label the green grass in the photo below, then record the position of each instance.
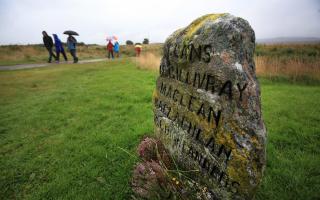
(292, 116)
(61, 130)
(40, 59)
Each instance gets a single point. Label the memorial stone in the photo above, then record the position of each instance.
(207, 107)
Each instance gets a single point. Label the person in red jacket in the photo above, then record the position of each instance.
(138, 49)
(110, 49)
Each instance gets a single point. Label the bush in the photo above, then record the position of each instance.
(129, 42)
(145, 41)
(289, 51)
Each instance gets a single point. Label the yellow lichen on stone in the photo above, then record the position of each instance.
(239, 174)
(225, 139)
(195, 25)
(237, 166)
(155, 94)
(237, 170)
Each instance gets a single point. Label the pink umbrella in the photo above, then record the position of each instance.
(110, 38)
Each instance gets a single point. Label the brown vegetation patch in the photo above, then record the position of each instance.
(148, 61)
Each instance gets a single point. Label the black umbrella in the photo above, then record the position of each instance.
(70, 33)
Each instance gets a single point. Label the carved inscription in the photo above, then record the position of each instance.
(191, 53)
(217, 151)
(205, 81)
(179, 90)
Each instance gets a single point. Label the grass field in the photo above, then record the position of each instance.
(62, 131)
(25, 54)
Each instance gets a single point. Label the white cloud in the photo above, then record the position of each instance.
(23, 20)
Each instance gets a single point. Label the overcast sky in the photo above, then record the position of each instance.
(23, 20)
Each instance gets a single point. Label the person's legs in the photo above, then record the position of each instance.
(58, 56)
(109, 54)
(52, 54)
(112, 54)
(64, 55)
(74, 55)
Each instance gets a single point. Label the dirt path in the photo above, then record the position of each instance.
(30, 66)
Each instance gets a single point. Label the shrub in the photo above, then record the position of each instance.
(145, 41)
(129, 42)
(289, 51)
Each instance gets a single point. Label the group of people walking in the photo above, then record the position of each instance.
(71, 44)
(113, 48)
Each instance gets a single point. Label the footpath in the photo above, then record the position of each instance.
(30, 66)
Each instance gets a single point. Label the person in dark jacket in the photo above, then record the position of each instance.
(110, 49)
(59, 48)
(71, 43)
(48, 43)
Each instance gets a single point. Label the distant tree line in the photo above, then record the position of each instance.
(130, 42)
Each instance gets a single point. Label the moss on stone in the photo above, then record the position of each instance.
(195, 25)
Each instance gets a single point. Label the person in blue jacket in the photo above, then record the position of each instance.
(116, 49)
(71, 43)
(59, 48)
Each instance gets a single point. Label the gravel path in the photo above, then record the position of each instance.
(30, 66)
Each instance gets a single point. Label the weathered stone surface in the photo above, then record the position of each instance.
(207, 109)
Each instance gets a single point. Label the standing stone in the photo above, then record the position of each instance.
(207, 108)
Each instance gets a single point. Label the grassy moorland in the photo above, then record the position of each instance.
(294, 62)
(63, 130)
(25, 54)
(291, 62)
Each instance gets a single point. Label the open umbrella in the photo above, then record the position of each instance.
(110, 38)
(69, 32)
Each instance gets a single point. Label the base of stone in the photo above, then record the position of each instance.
(158, 176)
